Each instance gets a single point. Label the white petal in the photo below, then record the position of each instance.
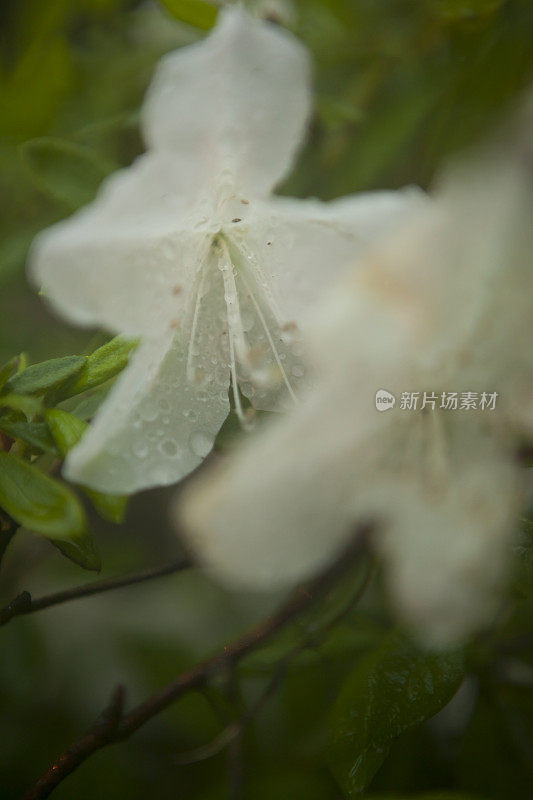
(281, 508)
(447, 556)
(161, 418)
(127, 260)
(299, 248)
(237, 102)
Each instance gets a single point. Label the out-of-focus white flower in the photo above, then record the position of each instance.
(187, 249)
(445, 305)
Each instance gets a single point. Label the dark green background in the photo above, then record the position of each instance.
(400, 85)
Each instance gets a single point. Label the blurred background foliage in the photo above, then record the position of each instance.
(400, 85)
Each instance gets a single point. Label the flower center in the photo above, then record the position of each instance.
(262, 353)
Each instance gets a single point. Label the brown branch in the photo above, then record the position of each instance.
(115, 728)
(23, 603)
(235, 728)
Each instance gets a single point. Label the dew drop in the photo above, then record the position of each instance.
(149, 413)
(200, 443)
(169, 448)
(297, 370)
(140, 450)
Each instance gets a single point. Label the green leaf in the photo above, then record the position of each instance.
(395, 688)
(111, 507)
(66, 171)
(194, 12)
(87, 407)
(6, 371)
(84, 553)
(40, 378)
(39, 502)
(35, 434)
(25, 404)
(67, 431)
(106, 362)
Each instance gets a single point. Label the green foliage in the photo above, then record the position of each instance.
(101, 365)
(46, 506)
(24, 404)
(36, 434)
(67, 430)
(37, 430)
(194, 12)
(6, 370)
(68, 172)
(392, 690)
(41, 378)
(398, 87)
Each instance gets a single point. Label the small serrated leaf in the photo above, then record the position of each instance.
(395, 688)
(106, 362)
(35, 434)
(40, 378)
(194, 12)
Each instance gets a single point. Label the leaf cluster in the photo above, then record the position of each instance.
(44, 409)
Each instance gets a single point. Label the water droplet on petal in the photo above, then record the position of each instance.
(200, 443)
(169, 448)
(149, 412)
(140, 449)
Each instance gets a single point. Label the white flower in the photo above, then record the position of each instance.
(446, 304)
(187, 249)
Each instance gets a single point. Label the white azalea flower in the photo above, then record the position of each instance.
(444, 305)
(187, 249)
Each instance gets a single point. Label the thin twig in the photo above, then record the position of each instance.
(23, 603)
(237, 727)
(102, 734)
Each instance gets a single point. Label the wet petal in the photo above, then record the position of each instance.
(161, 418)
(281, 509)
(126, 261)
(299, 248)
(447, 556)
(237, 102)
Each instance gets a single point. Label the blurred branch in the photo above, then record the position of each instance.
(234, 731)
(117, 727)
(23, 603)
